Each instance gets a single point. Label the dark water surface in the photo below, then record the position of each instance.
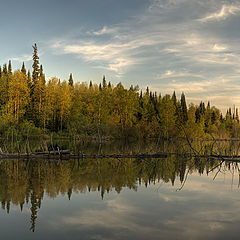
(174, 198)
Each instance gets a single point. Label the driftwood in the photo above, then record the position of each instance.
(66, 155)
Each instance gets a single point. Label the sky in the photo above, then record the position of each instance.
(189, 46)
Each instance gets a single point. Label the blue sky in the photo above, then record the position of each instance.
(182, 45)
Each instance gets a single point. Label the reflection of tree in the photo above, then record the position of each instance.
(25, 182)
(33, 208)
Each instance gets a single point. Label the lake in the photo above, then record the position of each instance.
(169, 198)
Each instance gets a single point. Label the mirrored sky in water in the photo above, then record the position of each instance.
(203, 209)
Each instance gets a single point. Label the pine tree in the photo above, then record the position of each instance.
(147, 91)
(70, 80)
(104, 83)
(174, 98)
(90, 84)
(5, 71)
(9, 67)
(184, 108)
(41, 74)
(23, 69)
(35, 66)
(37, 91)
(208, 105)
(29, 79)
(230, 113)
(202, 108)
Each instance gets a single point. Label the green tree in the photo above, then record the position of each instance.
(70, 80)
(184, 109)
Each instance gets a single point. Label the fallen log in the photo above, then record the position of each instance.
(66, 155)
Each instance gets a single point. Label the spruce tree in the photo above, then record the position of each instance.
(29, 79)
(35, 65)
(174, 98)
(23, 69)
(42, 76)
(5, 71)
(230, 113)
(90, 84)
(9, 67)
(184, 108)
(202, 108)
(104, 83)
(70, 80)
(208, 105)
(147, 91)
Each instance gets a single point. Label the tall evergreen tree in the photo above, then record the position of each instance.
(174, 98)
(35, 65)
(104, 83)
(29, 79)
(90, 84)
(184, 108)
(9, 67)
(5, 71)
(23, 69)
(41, 74)
(70, 80)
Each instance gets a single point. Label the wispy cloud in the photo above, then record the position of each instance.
(116, 56)
(105, 30)
(223, 13)
(23, 58)
(171, 74)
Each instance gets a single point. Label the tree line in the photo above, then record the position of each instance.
(30, 103)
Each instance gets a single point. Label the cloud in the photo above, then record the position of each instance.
(22, 58)
(226, 11)
(202, 50)
(167, 47)
(131, 216)
(171, 74)
(105, 30)
(114, 56)
(164, 4)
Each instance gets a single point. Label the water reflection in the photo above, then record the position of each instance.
(24, 182)
(123, 198)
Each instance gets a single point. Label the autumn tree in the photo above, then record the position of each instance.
(18, 97)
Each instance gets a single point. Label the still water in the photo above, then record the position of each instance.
(172, 198)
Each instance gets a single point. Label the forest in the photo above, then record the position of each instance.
(30, 105)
